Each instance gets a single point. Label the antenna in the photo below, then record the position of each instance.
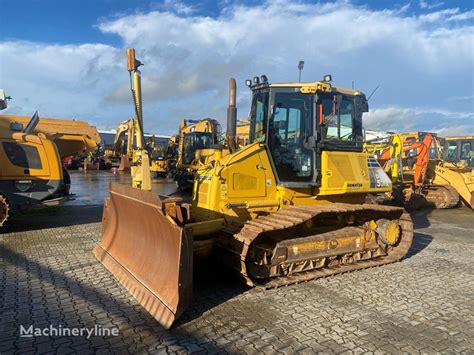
(373, 92)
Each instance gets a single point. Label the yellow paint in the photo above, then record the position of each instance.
(51, 166)
(71, 136)
(246, 178)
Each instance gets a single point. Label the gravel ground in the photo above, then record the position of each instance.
(423, 304)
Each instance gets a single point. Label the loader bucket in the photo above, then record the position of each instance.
(146, 252)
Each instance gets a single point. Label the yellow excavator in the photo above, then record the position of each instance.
(197, 139)
(70, 136)
(31, 153)
(242, 131)
(159, 156)
(420, 175)
(126, 129)
(31, 172)
(286, 208)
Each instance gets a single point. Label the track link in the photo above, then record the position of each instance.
(441, 196)
(236, 241)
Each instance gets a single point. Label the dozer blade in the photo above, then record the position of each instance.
(146, 252)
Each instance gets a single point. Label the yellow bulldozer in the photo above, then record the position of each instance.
(286, 208)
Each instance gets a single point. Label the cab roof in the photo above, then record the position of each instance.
(318, 86)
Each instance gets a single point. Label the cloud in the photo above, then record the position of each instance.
(425, 5)
(403, 119)
(418, 60)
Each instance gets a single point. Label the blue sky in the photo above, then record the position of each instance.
(66, 58)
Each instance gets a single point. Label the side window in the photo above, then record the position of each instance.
(260, 114)
(345, 120)
(452, 151)
(339, 124)
(23, 155)
(188, 148)
(466, 150)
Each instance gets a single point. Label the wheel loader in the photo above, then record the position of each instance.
(458, 150)
(286, 208)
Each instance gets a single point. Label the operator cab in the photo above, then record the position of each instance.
(298, 121)
(194, 141)
(198, 135)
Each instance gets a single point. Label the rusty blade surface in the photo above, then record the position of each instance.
(146, 252)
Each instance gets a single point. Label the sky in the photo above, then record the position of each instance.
(66, 58)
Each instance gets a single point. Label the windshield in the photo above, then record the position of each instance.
(159, 150)
(289, 127)
(194, 141)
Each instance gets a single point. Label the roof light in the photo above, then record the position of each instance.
(256, 80)
(264, 78)
(327, 78)
(248, 82)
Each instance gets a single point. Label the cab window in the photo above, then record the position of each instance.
(466, 151)
(288, 126)
(339, 118)
(452, 151)
(22, 155)
(259, 115)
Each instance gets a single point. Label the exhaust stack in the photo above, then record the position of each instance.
(232, 116)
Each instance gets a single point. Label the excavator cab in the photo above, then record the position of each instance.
(197, 141)
(193, 141)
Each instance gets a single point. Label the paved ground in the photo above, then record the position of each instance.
(48, 276)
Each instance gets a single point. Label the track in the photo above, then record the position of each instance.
(441, 196)
(236, 242)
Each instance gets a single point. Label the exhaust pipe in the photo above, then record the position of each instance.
(232, 117)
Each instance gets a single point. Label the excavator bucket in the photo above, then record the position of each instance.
(150, 255)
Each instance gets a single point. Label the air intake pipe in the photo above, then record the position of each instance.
(232, 117)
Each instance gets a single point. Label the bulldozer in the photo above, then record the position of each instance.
(286, 208)
(197, 140)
